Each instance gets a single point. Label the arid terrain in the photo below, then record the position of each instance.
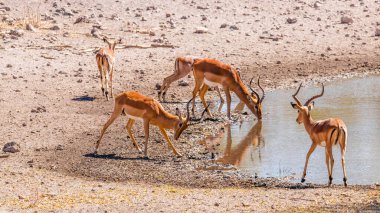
(51, 102)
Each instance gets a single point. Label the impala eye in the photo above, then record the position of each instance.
(180, 125)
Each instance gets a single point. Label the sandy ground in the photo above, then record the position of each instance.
(43, 73)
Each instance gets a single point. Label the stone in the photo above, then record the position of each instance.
(377, 32)
(30, 28)
(55, 27)
(183, 83)
(291, 20)
(201, 30)
(17, 32)
(82, 19)
(234, 27)
(346, 20)
(11, 147)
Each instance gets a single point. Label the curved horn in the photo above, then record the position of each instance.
(204, 111)
(295, 98)
(262, 97)
(258, 97)
(315, 96)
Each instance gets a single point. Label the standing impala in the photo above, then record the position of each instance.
(182, 67)
(139, 107)
(210, 72)
(105, 58)
(325, 133)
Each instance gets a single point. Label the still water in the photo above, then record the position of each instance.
(277, 146)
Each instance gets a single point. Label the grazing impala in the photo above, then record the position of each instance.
(210, 72)
(149, 111)
(182, 67)
(325, 133)
(105, 58)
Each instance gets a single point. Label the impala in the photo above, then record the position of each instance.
(325, 133)
(105, 58)
(139, 107)
(182, 67)
(210, 72)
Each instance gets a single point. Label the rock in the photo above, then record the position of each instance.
(55, 27)
(9, 66)
(66, 34)
(30, 28)
(201, 30)
(81, 19)
(291, 20)
(96, 33)
(11, 147)
(17, 33)
(377, 32)
(317, 4)
(158, 86)
(183, 83)
(234, 27)
(59, 147)
(223, 25)
(346, 20)
(6, 8)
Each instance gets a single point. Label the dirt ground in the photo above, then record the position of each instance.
(51, 102)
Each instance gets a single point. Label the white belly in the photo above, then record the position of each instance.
(323, 143)
(134, 117)
(211, 84)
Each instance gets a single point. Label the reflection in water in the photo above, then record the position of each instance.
(356, 101)
(235, 155)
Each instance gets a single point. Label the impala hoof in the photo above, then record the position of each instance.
(345, 182)
(303, 180)
(179, 156)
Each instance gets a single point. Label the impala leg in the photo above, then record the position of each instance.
(111, 74)
(228, 97)
(146, 129)
(129, 129)
(99, 63)
(116, 112)
(202, 94)
(169, 142)
(311, 150)
(329, 150)
(220, 95)
(106, 83)
(165, 86)
(328, 163)
(342, 153)
(198, 84)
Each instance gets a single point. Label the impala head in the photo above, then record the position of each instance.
(255, 98)
(184, 121)
(305, 109)
(112, 44)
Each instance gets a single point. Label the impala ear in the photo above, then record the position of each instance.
(311, 106)
(295, 106)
